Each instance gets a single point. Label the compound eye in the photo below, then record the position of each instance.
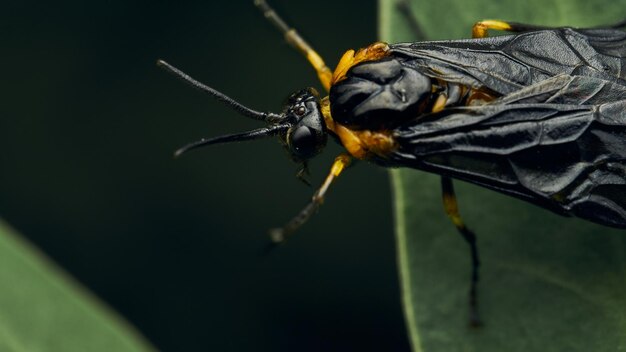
(303, 142)
(300, 110)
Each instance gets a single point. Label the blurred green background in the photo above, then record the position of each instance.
(88, 127)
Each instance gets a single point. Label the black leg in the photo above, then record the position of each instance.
(452, 210)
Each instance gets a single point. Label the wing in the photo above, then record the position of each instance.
(506, 64)
(560, 144)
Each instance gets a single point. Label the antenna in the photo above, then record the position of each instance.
(257, 115)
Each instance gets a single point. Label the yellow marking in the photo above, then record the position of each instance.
(361, 144)
(440, 103)
(375, 51)
(344, 65)
(478, 97)
(480, 29)
(452, 209)
(325, 108)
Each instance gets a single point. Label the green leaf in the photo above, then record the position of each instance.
(42, 309)
(548, 283)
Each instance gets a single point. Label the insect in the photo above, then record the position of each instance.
(539, 115)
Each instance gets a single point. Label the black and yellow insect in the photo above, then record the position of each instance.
(539, 115)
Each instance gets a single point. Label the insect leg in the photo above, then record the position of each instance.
(452, 210)
(480, 29)
(279, 235)
(296, 41)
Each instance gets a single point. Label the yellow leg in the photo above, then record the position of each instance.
(480, 29)
(279, 235)
(452, 210)
(296, 41)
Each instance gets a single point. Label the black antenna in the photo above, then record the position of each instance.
(263, 116)
(254, 134)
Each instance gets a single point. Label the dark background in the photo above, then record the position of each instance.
(88, 127)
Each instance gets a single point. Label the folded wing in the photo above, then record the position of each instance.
(560, 144)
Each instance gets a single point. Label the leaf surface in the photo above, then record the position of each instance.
(548, 283)
(42, 309)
